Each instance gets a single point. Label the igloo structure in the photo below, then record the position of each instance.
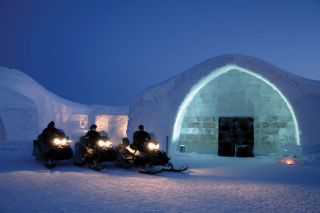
(231, 101)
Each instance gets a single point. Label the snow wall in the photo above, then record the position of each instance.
(185, 109)
(26, 108)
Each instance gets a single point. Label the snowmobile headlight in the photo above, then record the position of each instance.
(60, 141)
(90, 151)
(102, 143)
(108, 144)
(153, 146)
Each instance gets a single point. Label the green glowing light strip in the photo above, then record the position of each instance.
(204, 81)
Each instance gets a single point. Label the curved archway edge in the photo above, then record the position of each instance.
(203, 82)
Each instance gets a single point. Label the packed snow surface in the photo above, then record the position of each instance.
(212, 184)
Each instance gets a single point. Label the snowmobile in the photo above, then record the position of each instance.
(50, 152)
(150, 159)
(94, 154)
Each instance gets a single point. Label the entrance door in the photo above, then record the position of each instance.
(236, 136)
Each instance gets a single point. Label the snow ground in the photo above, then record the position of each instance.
(212, 184)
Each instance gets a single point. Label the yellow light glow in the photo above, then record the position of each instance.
(288, 161)
(108, 144)
(64, 141)
(153, 146)
(102, 143)
(58, 141)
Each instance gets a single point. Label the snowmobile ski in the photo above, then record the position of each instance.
(150, 170)
(172, 169)
(158, 169)
(97, 167)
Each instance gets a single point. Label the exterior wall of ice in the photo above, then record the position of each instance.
(19, 120)
(237, 94)
(114, 125)
(2, 132)
(77, 124)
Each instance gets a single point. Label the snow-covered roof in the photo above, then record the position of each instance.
(157, 107)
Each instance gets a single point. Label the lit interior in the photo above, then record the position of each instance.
(112, 124)
(103, 122)
(81, 120)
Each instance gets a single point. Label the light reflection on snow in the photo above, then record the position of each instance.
(288, 161)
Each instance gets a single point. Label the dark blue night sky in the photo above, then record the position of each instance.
(108, 51)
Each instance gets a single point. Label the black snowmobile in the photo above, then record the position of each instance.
(94, 154)
(150, 159)
(50, 152)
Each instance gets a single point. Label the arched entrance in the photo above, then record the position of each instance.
(234, 92)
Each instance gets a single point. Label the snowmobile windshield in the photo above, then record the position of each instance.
(60, 133)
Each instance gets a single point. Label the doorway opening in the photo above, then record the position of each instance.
(236, 136)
